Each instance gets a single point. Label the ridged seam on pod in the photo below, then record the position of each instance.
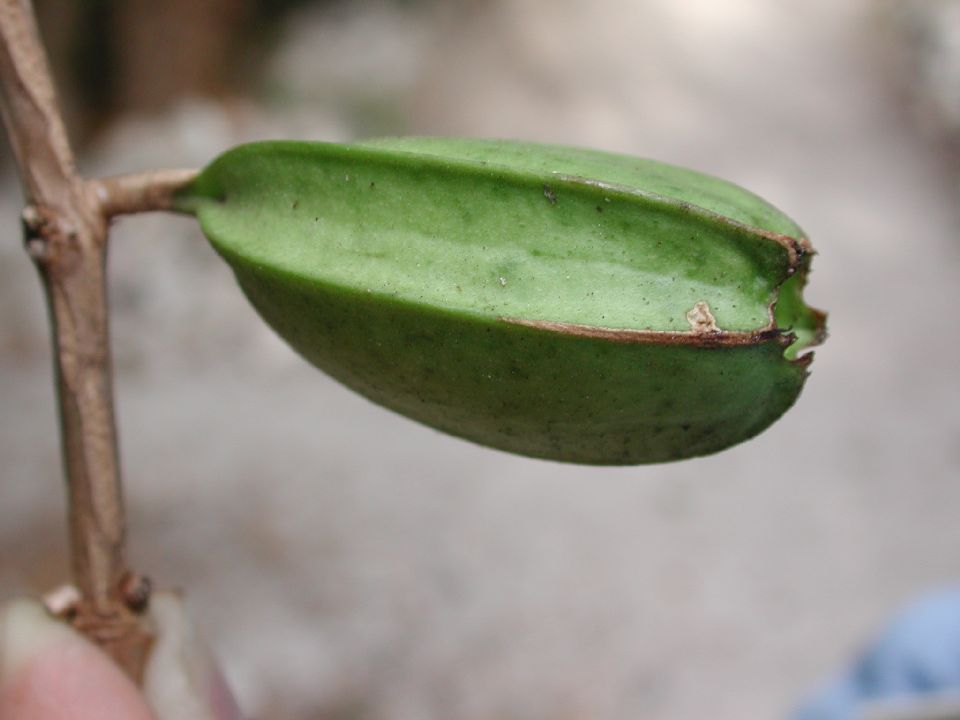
(499, 292)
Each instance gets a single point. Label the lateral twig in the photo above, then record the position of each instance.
(141, 192)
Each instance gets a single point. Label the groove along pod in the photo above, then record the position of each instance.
(553, 302)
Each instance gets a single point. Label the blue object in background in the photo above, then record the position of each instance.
(916, 657)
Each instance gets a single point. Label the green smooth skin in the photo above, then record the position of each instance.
(401, 267)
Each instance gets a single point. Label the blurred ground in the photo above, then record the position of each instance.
(346, 563)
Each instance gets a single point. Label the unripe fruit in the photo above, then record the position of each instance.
(558, 303)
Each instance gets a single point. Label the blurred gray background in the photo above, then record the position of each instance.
(345, 563)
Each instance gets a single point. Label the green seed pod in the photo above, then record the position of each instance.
(558, 303)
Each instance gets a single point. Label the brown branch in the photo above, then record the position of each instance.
(30, 111)
(66, 220)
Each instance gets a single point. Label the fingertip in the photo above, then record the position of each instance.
(50, 672)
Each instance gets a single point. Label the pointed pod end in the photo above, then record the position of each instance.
(806, 324)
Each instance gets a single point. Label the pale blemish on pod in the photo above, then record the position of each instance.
(701, 319)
